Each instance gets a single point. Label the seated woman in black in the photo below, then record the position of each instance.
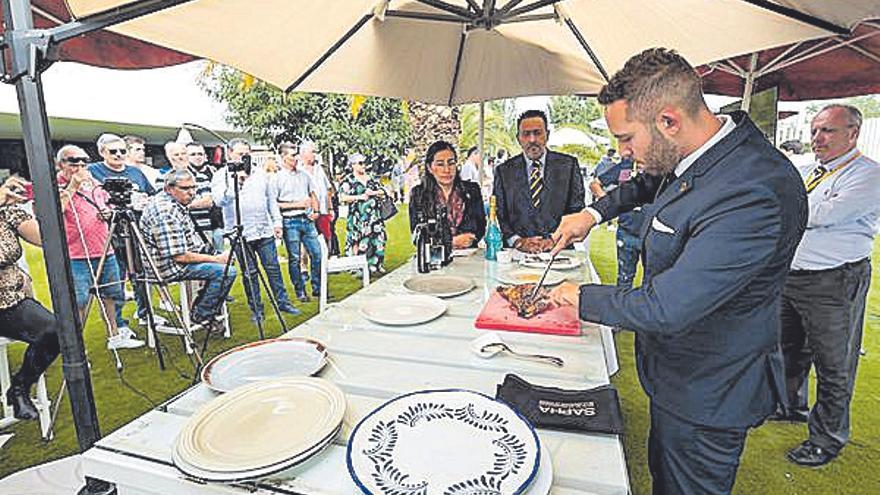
(442, 185)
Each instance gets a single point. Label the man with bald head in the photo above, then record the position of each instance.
(823, 301)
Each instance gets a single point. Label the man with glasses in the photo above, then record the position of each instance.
(113, 150)
(533, 190)
(208, 217)
(85, 213)
(298, 203)
(260, 222)
(179, 252)
(823, 300)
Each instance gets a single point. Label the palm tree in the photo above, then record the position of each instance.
(499, 132)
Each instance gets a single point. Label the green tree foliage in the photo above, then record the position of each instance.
(868, 104)
(380, 129)
(500, 127)
(576, 110)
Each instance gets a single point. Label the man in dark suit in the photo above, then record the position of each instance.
(534, 189)
(724, 214)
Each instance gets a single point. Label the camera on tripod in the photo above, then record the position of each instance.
(244, 165)
(119, 189)
(433, 235)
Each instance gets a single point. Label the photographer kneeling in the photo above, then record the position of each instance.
(178, 250)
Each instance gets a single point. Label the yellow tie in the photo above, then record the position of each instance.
(536, 184)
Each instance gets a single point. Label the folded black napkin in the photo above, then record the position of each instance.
(596, 410)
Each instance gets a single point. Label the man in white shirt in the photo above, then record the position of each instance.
(823, 301)
(470, 170)
(323, 189)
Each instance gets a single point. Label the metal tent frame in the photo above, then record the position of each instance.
(25, 52)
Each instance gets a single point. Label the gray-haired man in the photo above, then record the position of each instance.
(179, 252)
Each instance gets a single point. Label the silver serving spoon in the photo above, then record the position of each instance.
(496, 347)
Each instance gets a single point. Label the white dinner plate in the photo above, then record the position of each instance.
(562, 261)
(403, 309)
(262, 424)
(263, 360)
(439, 285)
(530, 276)
(544, 479)
(444, 441)
(460, 253)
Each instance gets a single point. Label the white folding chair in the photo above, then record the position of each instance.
(336, 264)
(42, 399)
(170, 328)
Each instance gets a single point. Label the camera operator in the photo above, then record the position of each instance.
(85, 222)
(179, 253)
(21, 317)
(260, 221)
(113, 150)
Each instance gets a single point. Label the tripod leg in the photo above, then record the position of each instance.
(241, 248)
(273, 301)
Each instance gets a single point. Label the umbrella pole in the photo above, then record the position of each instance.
(750, 83)
(482, 139)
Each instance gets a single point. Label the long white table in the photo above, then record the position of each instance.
(372, 363)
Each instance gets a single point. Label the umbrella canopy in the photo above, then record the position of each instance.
(458, 51)
(830, 67)
(101, 48)
(568, 135)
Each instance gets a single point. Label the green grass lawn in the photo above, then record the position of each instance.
(764, 469)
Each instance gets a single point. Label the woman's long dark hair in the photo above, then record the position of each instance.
(429, 182)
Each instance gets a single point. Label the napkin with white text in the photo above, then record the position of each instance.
(596, 410)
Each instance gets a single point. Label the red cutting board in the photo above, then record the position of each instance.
(498, 315)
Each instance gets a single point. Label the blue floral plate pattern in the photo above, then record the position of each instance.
(443, 442)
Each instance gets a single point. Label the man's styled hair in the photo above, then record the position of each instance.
(653, 79)
(236, 141)
(105, 139)
(286, 146)
(65, 150)
(175, 176)
(131, 140)
(531, 114)
(853, 114)
(196, 144)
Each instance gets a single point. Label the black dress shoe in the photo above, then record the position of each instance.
(811, 455)
(22, 406)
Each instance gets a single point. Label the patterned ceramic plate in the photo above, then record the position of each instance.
(443, 442)
(403, 310)
(261, 424)
(439, 285)
(262, 360)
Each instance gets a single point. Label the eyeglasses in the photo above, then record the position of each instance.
(76, 160)
(117, 151)
(186, 188)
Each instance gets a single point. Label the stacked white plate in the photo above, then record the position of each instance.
(439, 285)
(562, 261)
(438, 442)
(260, 429)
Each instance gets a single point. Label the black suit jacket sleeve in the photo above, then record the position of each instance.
(474, 221)
(577, 193)
(501, 213)
(640, 190)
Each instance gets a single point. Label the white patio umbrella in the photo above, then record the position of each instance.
(569, 135)
(458, 51)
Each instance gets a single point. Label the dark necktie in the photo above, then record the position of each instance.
(536, 184)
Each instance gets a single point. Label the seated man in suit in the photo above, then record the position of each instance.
(533, 190)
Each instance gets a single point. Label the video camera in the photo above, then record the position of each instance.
(433, 236)
(119, 189)
(244, 165)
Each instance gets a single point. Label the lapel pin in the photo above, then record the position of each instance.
(683, 187)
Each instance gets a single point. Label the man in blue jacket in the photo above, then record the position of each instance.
(724, 213)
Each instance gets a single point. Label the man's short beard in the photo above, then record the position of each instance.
(662, 156)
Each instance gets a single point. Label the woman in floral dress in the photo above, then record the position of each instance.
(366, 229)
